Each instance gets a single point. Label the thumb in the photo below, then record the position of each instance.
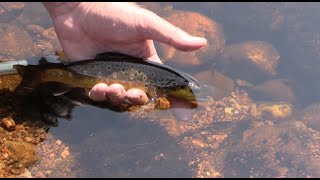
(151, 26)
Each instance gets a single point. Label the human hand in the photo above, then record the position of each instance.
(86, 29)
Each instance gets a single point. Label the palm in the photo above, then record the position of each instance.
(81, 38)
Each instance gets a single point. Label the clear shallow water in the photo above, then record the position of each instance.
(110, 144)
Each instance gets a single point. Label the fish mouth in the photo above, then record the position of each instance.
(204, 93)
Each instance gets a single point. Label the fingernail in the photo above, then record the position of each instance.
(89, 94)
(200, 40)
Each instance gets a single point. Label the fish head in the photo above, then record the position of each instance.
(183, 92)
(193, 91)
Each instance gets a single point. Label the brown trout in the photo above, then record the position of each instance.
(155, 79)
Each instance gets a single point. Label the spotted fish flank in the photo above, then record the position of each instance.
(153, 78)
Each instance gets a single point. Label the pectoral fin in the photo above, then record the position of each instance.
(50, 120)
(60, 92)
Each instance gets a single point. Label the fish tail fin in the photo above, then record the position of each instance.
(20, 69)
(30, 79)
(23, 70)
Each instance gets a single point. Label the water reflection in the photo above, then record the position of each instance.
(27, 143)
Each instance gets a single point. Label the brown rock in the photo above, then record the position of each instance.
(275, 90)
(162, 103)
(311, 116)
(9, 123)
(9, 10)
(222, 85)
(15, 41)
(246, 59)
(24, 153)
(197, 25)
(36, 29)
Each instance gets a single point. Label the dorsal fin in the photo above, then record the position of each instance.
(113, 55)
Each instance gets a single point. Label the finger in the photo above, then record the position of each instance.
(116, 93)
(137, 96)
(151, 52)
(151, 26)
(98, 92)
(155, 58)
(144, 50)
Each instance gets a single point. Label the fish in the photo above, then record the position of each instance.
(157, 80)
